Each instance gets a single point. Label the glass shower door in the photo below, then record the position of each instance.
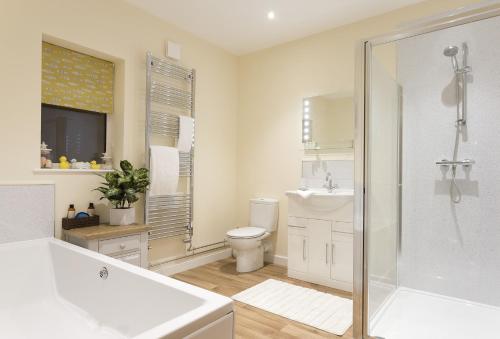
(382, 178)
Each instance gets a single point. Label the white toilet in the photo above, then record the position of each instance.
(247, 242)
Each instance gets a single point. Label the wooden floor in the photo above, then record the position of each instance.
(251, 322)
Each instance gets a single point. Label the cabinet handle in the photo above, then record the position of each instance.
(333, 261)
(304, 249)
(326, 254)
(122, 246)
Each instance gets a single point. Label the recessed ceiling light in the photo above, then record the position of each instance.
(271, 15)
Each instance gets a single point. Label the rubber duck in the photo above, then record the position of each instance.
(64, 163)
(94, 165)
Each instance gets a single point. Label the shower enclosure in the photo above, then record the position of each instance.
(427, 213)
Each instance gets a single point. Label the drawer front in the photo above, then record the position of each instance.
(295, 230)
(342, 226)
(120, 245)
(297, 222)
(132, 258)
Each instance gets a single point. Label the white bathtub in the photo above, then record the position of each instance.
(52, 289)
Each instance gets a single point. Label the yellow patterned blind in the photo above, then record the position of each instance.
(76, 80)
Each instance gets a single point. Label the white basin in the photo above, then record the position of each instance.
(322, 192)
(321, 199)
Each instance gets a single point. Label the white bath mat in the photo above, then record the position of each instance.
(305, 305)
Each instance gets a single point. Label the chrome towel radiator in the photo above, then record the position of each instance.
(170, 93)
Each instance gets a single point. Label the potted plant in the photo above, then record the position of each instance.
(121, 189)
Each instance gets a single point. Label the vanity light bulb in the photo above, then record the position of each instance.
(306, 116)
(306, 102)
(306, 130)
(306, 137)
(306, 109)
(306, 123)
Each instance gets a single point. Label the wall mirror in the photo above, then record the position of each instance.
(328, 121)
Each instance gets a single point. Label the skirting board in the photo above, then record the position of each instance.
(182, 265)
(279, 260)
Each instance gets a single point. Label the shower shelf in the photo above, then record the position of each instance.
(465, 162)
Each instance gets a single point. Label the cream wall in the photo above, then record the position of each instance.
(273, 83)
(121, 33)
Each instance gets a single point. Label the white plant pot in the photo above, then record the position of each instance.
(122, 216)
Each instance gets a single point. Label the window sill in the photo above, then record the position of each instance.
(69, 171)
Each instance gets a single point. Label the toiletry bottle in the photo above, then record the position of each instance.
(71, 211)
(91, 209)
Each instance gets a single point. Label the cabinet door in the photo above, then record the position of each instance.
(297, 250)
(320, 233)
(342, 256)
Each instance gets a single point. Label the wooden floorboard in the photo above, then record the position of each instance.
(251, 322)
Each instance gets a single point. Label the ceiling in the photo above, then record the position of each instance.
(242, 26)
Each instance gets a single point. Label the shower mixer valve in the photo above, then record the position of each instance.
(465, 162)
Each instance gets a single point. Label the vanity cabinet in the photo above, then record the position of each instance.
(320, 244)
(126, 243)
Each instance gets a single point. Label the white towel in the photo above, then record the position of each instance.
(164, 170)
(186, 132)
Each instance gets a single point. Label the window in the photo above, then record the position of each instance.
(77, 96)
(77, 134)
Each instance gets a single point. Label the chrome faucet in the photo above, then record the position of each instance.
(329, 185)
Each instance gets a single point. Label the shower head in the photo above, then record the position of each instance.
(452, 51)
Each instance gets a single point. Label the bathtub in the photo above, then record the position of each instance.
(53, 289)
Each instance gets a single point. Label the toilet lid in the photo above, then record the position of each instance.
(246, 232)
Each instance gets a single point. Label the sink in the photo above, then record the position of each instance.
(321, 193)
(320, 199)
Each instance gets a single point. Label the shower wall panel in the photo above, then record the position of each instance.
(451, 248)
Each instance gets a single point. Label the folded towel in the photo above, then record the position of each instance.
(164, 170)
(186, 133)
(304, 194)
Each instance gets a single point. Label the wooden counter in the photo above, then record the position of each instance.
(105, 231)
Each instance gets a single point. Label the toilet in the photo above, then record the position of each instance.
(248, 242)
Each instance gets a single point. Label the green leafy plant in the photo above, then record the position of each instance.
(122, 187)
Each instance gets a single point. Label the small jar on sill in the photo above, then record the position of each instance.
(45, 156)
(107, 163)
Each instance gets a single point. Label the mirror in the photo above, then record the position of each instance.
(328, 121)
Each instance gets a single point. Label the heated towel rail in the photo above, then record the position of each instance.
(170, 90)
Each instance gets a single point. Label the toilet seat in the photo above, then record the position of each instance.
(246, 233)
